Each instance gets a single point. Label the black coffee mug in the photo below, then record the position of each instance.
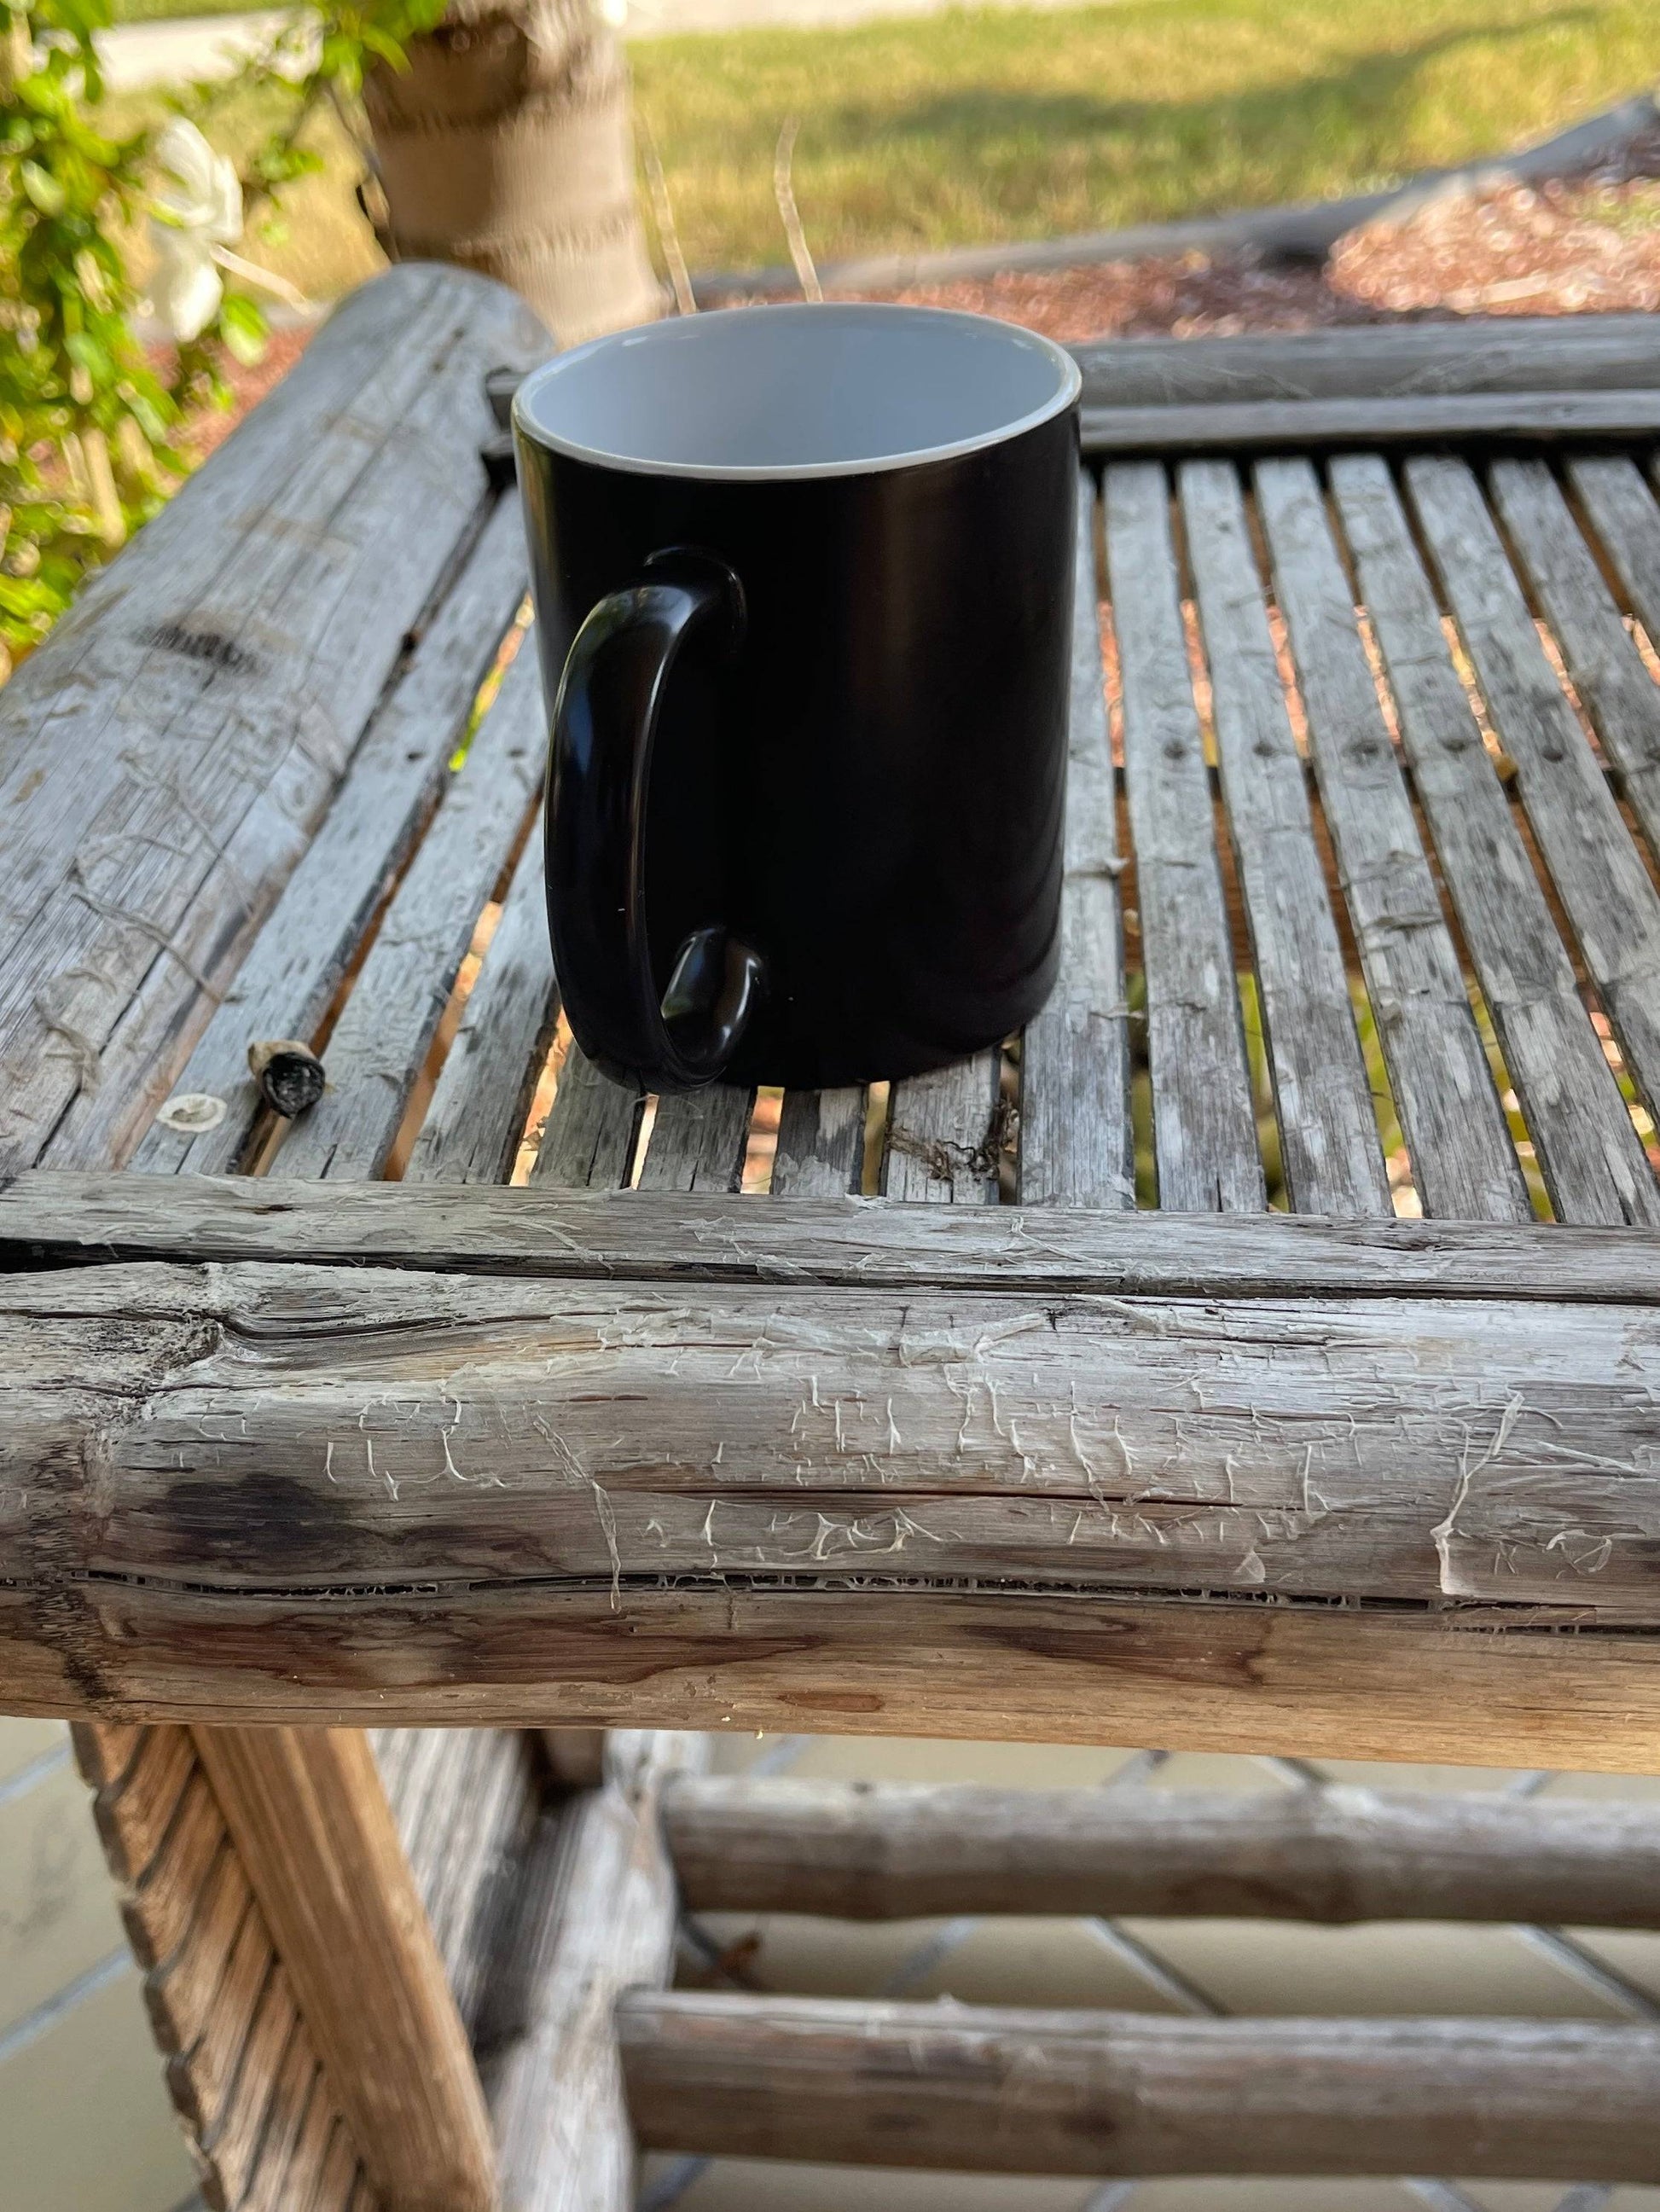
(803, 583)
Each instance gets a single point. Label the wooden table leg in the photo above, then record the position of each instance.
(307, 1812)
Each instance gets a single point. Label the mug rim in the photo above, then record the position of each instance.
(1069, 386)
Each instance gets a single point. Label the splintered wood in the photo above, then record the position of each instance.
(271, 1434)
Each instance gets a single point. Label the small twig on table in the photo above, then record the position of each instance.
(784, 192)
(668, 237)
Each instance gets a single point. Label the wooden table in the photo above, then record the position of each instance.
(1361, 919)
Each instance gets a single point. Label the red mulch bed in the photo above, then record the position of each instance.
(211, 426)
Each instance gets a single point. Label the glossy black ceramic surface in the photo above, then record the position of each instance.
(805, 797)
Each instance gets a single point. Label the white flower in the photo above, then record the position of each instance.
(198, 214)
(197, 219)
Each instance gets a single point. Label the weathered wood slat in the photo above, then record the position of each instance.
(697, 1139)
(1009, 2092)
(180, 1992)
(1328, 1142)
(104, 1753)
(1077, 1147)
(821, 1143)
(1622, 508)
(135, 1811)
(394, 1007)
(354, 1945)
(1203, 1126)
(231, 2141)
(461, 1432)
(884, 1851)
(476, 1118)
(1594, 1166)
(1598, 873)
(599, 1918)
(211, 2042)
(1461, 1158)
(1603, 664)
(1269, 426)
(465, 1802)
(1523, 355)
(945, 1135)
(597, 1907)
(54, 1221)
(158, 1910)
(379, 1044)
(280, 2162)
(284, 988)
(246, 640)
(591, 1127)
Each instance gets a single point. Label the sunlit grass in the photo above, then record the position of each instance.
(994, 124)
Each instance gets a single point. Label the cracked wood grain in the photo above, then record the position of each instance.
(1203, 1126)
(1077, 1147)
(284, 986)
(322, 1431)
(55, 1220)
(1594, 1166)
(1599, 875)
(379, 1044)
(1328, 1143)
(165, 758)
(1602, 661)
(1461, 1158)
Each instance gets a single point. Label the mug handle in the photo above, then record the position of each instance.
(605, 726)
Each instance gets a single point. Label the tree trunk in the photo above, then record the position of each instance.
(507, 146)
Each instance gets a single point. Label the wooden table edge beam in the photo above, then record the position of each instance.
(1474, 1686)
(49, 1218)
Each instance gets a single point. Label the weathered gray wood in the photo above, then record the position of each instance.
(208, 694)
(465, 1800)
(1328, 1142)
(1602, 662)
(698, 1139)
(284, 988)
(381, 1038)
(1204, 1129)
(591, 1125)
(996, 2090)
(1598, 873)
(1622, 508)
(1522, 354)
(1461, 1158)
(1544, 419)
(821, 1143)
(476, 1118)
(52, 1220)
(600, 1919)
(1077, 1147)
(946, 1132)
(888, 1850)
(1594, 1167)
(461, 1433)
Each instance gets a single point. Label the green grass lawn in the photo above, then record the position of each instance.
(163, 11)
(999, 123)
